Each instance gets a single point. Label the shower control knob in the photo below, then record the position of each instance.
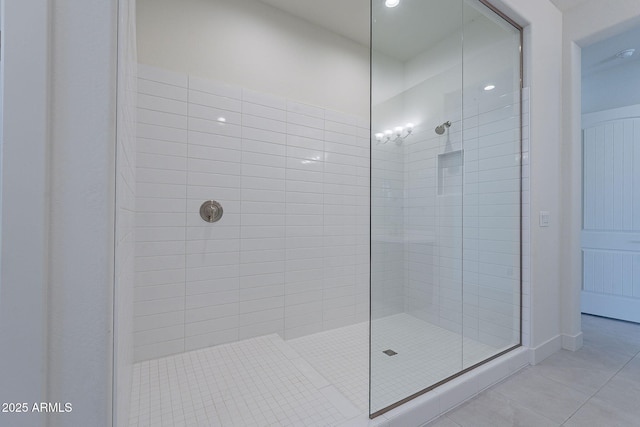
(211, 211)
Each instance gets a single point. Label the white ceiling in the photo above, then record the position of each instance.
(414, 24)
(404, 32)
(566, 4)
(601, 56)
(426, 22)
(350, 18)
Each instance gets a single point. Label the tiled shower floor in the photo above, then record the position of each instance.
(316, 380)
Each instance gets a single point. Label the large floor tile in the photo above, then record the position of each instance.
(491, 409)
(597, 413)
(612, 342)
(540, 394)
(628, 330)
(632, 368)
(587, 369)
(622, 393)
(443, 421)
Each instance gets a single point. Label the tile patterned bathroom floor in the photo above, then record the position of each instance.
(596, 386)
(322, 380)
(257, 382)
(342, 356)
(426, 355)
(316, 380)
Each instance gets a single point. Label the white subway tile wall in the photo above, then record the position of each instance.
(446, 236)
(462, 222)
(291, 252)
(388, 202)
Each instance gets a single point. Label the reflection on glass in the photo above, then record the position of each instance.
(445, 197)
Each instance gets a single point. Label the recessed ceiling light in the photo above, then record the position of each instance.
(489, 87)
(391, 3)
(222, 119)
(624, 54)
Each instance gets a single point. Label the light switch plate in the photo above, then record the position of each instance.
(544, 218)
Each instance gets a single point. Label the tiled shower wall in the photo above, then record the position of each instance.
(463, 221)
(290, 254)
(388, 201)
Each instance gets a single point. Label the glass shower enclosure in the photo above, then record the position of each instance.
(445, 193)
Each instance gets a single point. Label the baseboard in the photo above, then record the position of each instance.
(544, 350)
(572, 342)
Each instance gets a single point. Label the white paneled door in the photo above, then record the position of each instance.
(611, 218)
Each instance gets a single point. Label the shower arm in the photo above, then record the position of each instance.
(440, 129)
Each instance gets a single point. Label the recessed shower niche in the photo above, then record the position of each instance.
(450, 172)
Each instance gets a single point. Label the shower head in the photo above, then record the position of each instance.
(440, 129)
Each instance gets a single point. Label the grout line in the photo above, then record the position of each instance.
(601, 387)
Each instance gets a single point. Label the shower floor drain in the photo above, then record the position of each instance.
(390, 352)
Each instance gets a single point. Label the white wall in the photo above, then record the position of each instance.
(613, 88)
(479, 42)
(60, 149)
(24, 206)
(253, 45)
(290, 254)
(125, 211)
(81, 216)
(592, 21)
(389, 74)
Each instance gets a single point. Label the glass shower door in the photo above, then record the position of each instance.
(445, 193)
(492, 184)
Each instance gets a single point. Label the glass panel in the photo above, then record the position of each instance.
(491, 115)
(416, 224)
(445, 193)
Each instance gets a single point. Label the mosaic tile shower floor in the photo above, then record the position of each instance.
(315, 380)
